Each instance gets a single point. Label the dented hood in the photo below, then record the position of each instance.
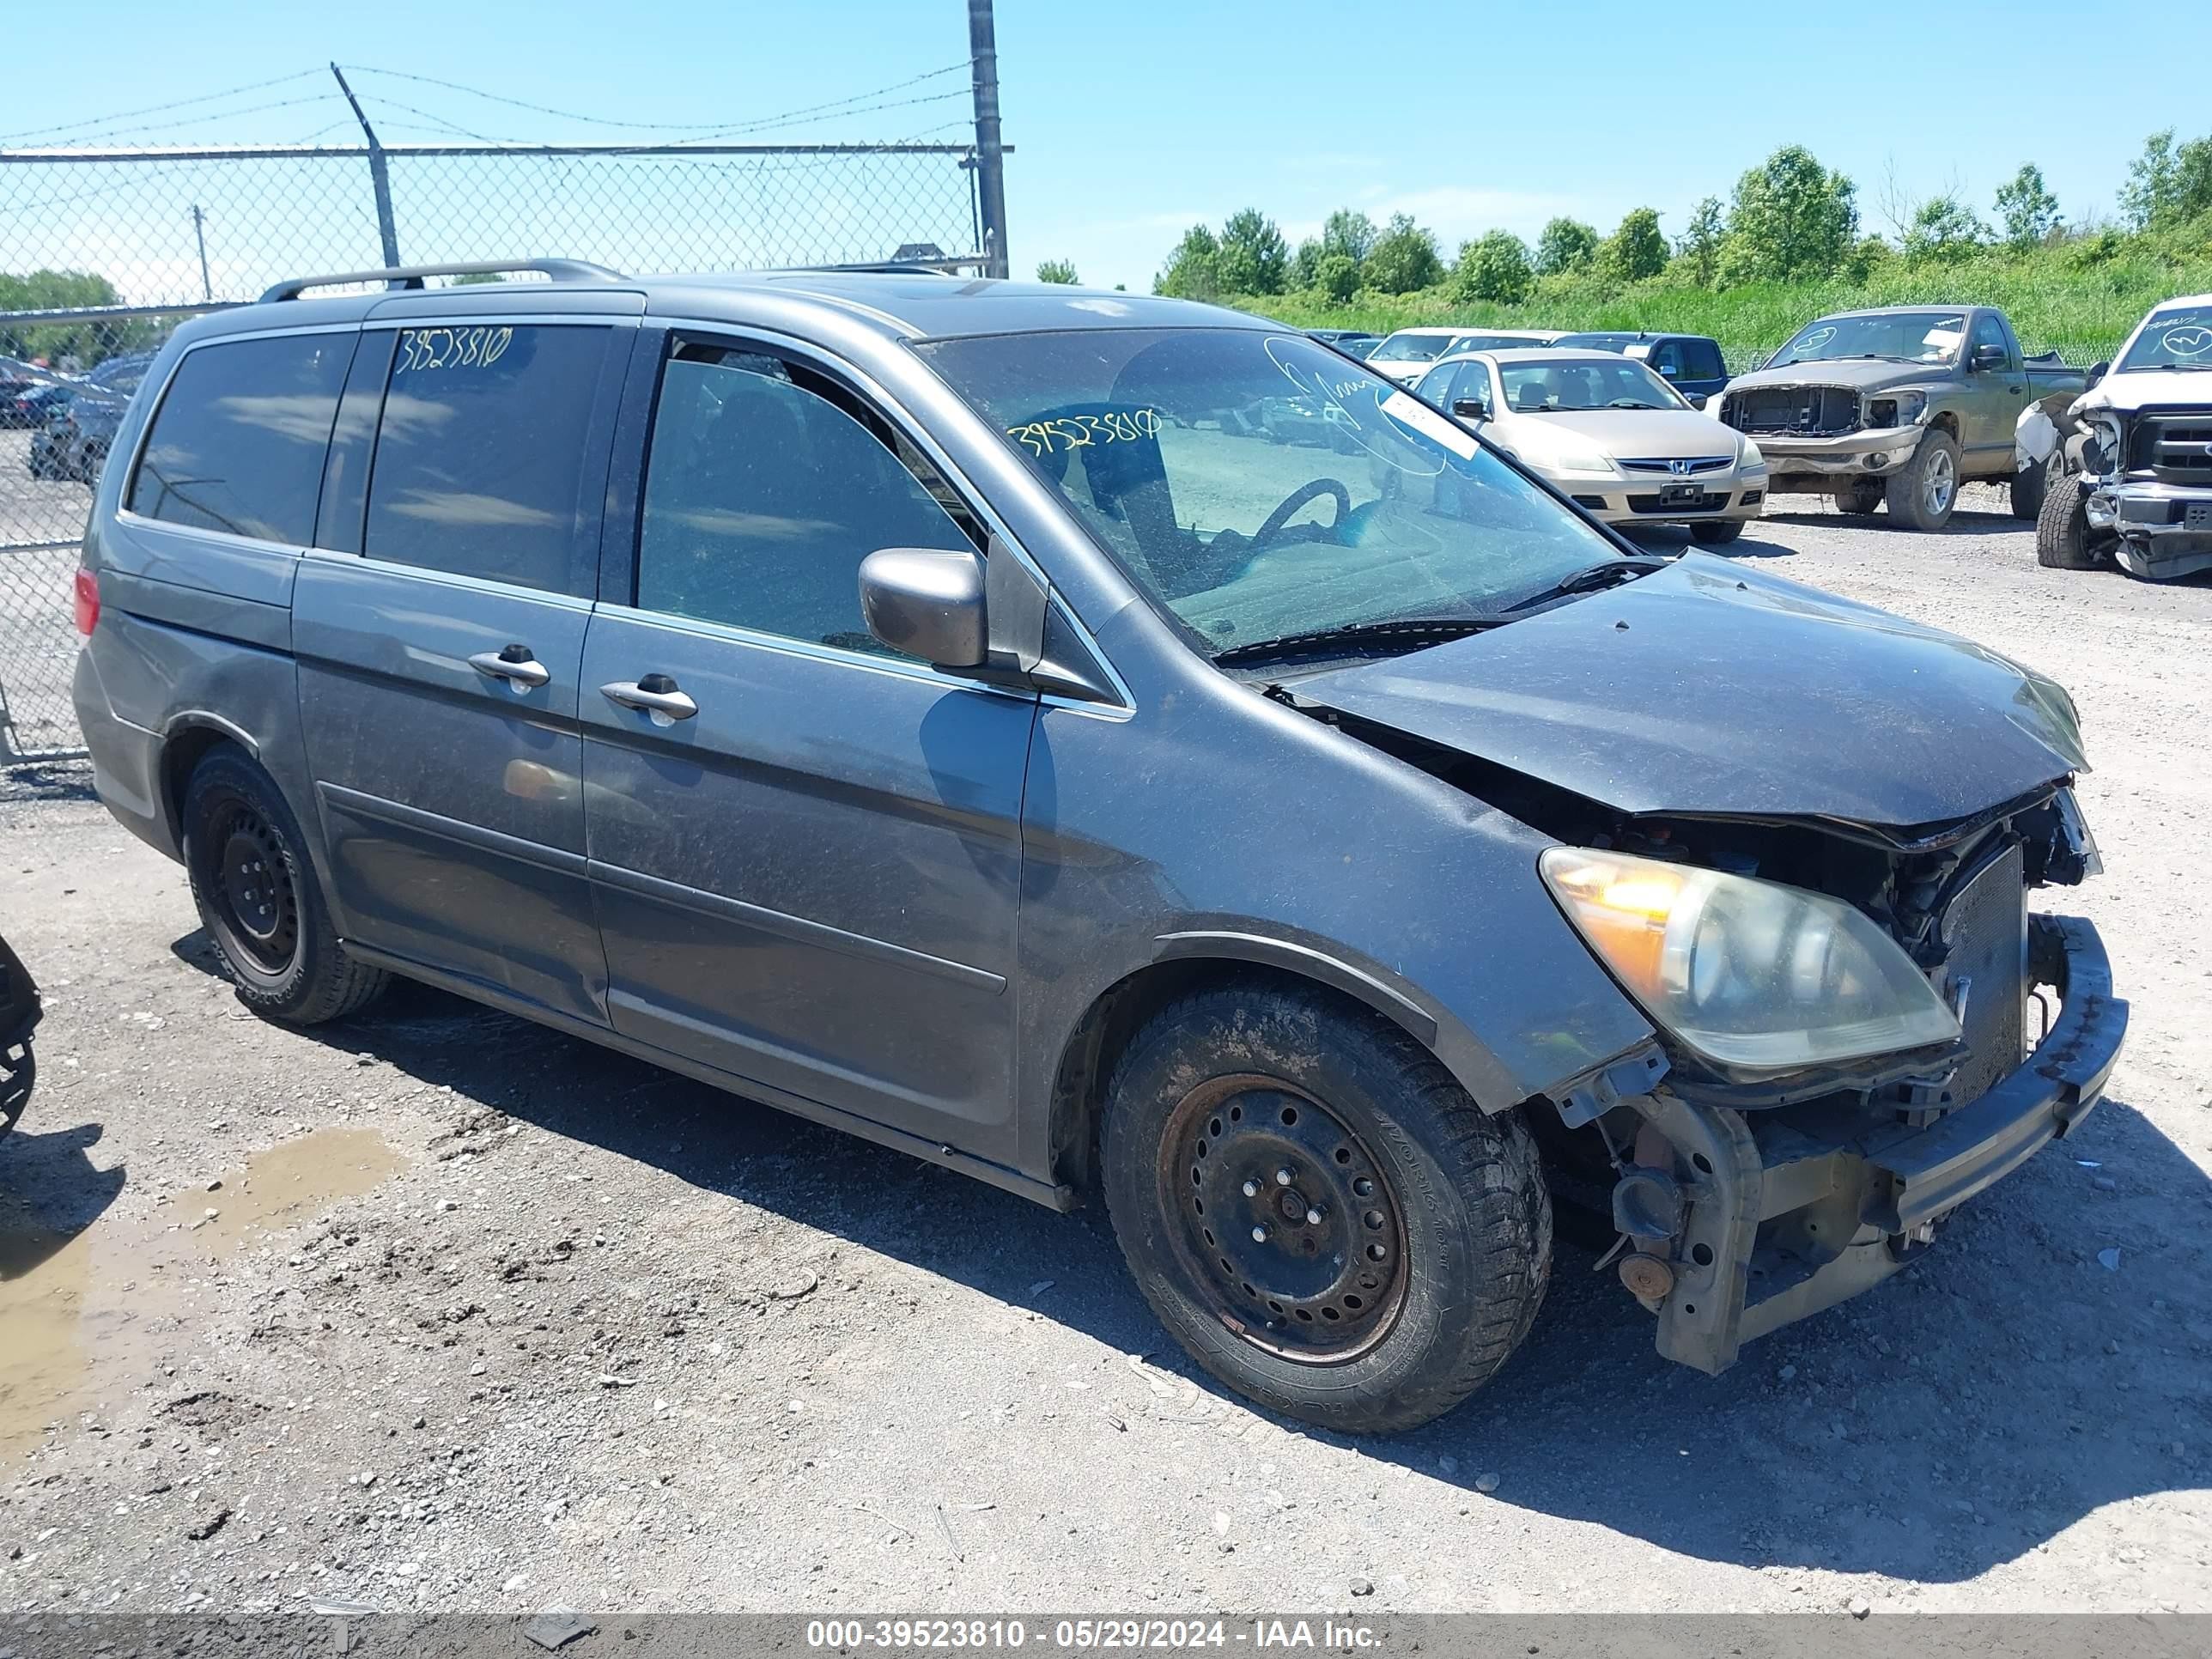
(1707, 688)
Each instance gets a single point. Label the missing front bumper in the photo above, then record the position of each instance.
(1793, 1212)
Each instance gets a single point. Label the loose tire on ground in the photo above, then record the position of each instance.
(2062, 527)
(1719, 533)
(255, 886)
(2029, 486)
(1923, 494)
(1434, 1243)
(1859, 495)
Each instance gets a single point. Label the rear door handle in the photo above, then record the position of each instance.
(518, 665)
(655, 695)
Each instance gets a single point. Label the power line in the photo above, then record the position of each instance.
(156, 109)
(647, 126)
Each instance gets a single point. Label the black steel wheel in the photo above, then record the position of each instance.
(1317, 1211)
(1288, 1214)
(254, 883)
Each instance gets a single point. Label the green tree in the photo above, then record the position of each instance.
(2192, 178)
(1494, 267)
(1338, 277)
(1253, 259)
(1867, 255)
(1348, 232)
(1305, 265)
(1791, 220)
(1057, 270)
(1635, 250)
(1566, 245)
(2153, 189)
(1700, 247)
(1404, 257)
(1194, 270)
(1943, 227)
(2030, 211)
(84, 344)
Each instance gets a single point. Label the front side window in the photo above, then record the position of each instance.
(1255, 485)
(237, 446)
(1901, 336)
(1703, 358)
(766, 487)
(2179, 337)
(478, 469)
(1989, 331)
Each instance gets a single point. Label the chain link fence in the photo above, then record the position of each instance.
(103, 253)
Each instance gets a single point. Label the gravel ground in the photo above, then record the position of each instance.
(482, 1317)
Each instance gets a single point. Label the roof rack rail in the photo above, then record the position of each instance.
(560, 271)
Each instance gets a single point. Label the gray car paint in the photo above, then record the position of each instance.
(834, 845)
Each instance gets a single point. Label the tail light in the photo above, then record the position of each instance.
(88, 602)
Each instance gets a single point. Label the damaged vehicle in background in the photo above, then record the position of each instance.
(2132, 480)
(908, 701)
(1901, 406)
(18, 1017)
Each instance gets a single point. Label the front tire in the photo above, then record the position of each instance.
(1858, 496)
(1923, 494)
(254, 883)
(1719, 533)
(2029, 486)
(1393, 1271)
(2062, 526)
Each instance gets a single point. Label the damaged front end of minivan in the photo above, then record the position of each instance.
(1859, 1024)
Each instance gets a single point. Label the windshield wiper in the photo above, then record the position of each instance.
(1590, 579)
(1356, 639)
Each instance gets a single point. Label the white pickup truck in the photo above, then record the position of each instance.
(2132, 481)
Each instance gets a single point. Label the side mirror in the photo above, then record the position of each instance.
(1989, 356)
(1697, 400)
(927, 603)
(1470, 408)
(2097, 372)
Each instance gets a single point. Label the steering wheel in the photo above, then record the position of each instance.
(1297, 499)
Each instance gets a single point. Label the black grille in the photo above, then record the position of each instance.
(1701, 463)
(1811, 411)
(1986, 929)
(2177, 448)
(1708, 500)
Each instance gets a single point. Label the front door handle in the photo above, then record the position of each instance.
(517, 665)
(655, 695)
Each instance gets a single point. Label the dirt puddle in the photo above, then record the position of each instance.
(83, 1320)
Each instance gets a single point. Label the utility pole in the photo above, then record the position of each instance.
(990, 164)
(199, 235)
(379, 177)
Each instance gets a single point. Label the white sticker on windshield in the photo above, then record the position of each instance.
(1409, 410)
(1942, 338)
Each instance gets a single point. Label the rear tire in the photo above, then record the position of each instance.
(1859, 496)
(2062, 525)
(1923, 496)
(2029, 486)
(1434, 1242)
(1719, 533)
(255, 886)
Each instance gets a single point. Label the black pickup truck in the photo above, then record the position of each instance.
(1899, 405)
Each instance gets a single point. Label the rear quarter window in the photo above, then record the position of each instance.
(238, 443)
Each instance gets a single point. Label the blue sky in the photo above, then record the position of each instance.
(1131, 121)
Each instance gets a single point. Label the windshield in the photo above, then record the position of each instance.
(1494, 342)
(1257, 485)
(1601, 342)
(2180, 337)
(1410, 348)
(1906, 336)
(1545, 388)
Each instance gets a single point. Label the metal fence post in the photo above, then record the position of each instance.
(990, 166)
(379, 177)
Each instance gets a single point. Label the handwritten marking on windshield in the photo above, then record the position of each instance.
(452, 348)
(1115, 426)
(2189, 340)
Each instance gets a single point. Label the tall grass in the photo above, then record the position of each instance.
(2080, 298)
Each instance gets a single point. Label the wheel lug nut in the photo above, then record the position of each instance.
(1259, 1234)
(1251, 1190)
(1313, 1217)
(1283, 1177)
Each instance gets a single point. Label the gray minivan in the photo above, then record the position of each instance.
(931, 707)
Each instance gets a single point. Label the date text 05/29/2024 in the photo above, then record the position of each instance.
(894, 1635)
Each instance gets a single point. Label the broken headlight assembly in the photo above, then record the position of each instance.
(2104, 442)
(1748, 974)
(1898, 408)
